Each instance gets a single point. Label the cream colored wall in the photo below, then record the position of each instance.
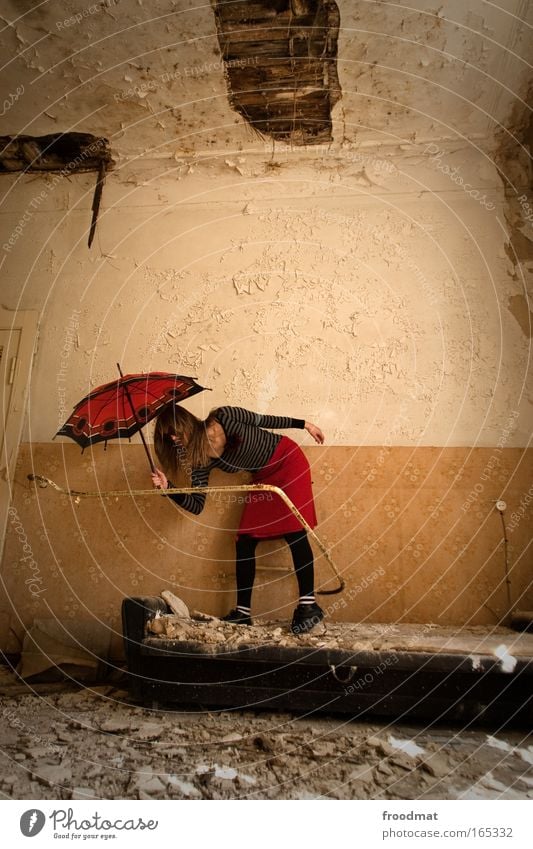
(371, 294)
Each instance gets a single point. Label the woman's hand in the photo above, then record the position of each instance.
(159, 479)
(315, 432)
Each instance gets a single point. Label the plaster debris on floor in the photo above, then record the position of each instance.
(64, 742)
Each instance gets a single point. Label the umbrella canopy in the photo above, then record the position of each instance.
(122, 407)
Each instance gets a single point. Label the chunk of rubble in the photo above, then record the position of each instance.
(186, 788)
(170, 625)
(54, 776)
(362, 773)
(177, 605)
(147, 785)
(203, 617)
(247, 779)
(149, 731)
(64, 737)
(403, 761)
(323, 749)
(37, 752)
(226, 772)
(115, 726)
(382, 746)
(384, 768)
(84, 793)
(436, 764)
(409, 747)
(488, 780)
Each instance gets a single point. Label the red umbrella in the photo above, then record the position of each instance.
(122, 407)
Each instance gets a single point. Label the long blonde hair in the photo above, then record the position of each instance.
(191, 450)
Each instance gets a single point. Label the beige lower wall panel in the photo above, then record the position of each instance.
(414, 531)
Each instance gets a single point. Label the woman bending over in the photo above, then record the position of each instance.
(235, 440)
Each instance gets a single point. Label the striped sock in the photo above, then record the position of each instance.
(306, 599)
(245, 610)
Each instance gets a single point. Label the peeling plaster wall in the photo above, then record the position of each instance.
(373, 296)
(424, 71)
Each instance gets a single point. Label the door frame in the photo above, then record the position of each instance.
(26, 322)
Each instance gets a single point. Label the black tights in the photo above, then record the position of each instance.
(302, 556)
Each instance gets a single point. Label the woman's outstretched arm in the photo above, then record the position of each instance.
(192, 502)
(238, 415)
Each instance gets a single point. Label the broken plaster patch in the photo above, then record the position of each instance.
(508, 662)
(407, 746)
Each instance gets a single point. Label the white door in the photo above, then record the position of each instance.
(18, 331)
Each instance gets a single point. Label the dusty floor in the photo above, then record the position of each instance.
(67, 742)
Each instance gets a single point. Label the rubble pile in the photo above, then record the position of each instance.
(346, 636)
(61, 741)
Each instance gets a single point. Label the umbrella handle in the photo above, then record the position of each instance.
(141, 434)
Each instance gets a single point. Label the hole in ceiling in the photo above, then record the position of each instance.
(280, 58)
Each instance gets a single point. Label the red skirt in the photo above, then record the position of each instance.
(265, 515)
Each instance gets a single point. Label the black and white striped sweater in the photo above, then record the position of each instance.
(248, 449)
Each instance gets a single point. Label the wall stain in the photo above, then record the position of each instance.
(518, 307)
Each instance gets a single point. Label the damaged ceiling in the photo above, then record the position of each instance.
(280, 61)
(168, 77)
